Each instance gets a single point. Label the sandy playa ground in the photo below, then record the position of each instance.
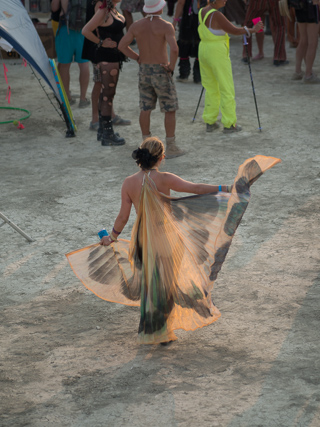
(71, 359)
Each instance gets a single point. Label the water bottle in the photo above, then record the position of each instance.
(102, 233)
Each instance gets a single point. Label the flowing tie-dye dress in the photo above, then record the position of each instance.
(177, 248)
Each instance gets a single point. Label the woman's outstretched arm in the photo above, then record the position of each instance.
(176, 183)
(220, 22)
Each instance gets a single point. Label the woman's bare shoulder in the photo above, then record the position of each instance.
(132, 178)
(168, 177)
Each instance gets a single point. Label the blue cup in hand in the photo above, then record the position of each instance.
(102, 233)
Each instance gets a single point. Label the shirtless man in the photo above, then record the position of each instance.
(152, 34)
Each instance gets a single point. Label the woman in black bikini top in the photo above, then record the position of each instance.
(109, 24)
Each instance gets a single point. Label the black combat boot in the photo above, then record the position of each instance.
(108, 136)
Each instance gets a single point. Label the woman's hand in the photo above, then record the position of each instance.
(258, 27)
(106, 241)
(109, 43)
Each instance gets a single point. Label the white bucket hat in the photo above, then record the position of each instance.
(153, 6)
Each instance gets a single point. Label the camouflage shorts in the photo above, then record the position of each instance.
(96, 73)
(156, 83)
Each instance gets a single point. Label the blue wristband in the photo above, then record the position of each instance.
(220, 188)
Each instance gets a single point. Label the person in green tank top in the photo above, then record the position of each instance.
(215, 65)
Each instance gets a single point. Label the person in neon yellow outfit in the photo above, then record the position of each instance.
(215, 65)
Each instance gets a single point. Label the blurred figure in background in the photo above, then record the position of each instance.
(186, 15)
(308, 24)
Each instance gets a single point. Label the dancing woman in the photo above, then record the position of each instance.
(215, 65)
(109, 25)
(177, 246)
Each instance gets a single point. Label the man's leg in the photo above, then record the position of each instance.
(64, 70)
(84, 77)
(170, 123)
(147, 98)
(168, 100)
(144, 121)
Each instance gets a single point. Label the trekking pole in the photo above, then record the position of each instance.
(245, 42)
(194, 117)
(15, 227)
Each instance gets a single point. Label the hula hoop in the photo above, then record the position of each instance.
(13, 108)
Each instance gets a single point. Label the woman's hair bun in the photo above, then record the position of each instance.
(144, 158)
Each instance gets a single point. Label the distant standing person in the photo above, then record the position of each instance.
(69, 44)
(258, 8)
(89, 52)
(153, 34)
(186, 15)
(215, 66)
(308, 24)
(109, 24)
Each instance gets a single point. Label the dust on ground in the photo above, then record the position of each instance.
(71, 359)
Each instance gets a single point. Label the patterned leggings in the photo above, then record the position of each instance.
(109, 72)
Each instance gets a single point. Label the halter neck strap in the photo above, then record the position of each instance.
(151, 16)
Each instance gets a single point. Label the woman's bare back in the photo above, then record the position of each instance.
(133, 184)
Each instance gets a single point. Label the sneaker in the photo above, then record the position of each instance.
(279, 62)
(119, 121)
(83, 103)
(232, 129)
(297, 76)
(211, 128)
(94, 126)
(72, 101)
(313, 79)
